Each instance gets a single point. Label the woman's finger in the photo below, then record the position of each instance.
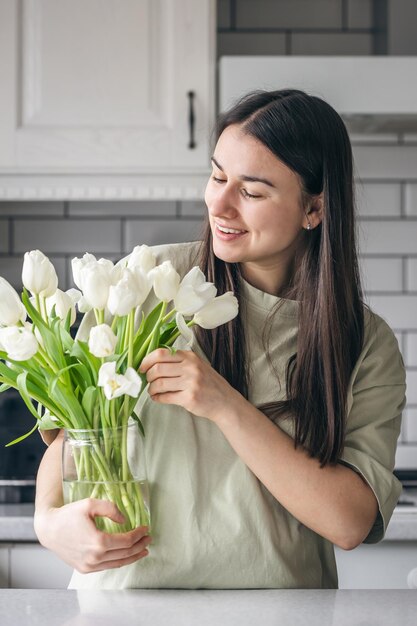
(116, 564)
(159, 355)
(163, 370)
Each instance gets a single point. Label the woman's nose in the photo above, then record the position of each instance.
(222, 202)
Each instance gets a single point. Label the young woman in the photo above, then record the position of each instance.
(274, 438)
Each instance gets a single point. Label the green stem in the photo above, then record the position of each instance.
(45, 360)
(168, 315)
(130, 337)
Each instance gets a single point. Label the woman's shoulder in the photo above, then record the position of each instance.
(381, 352)
(183, 256)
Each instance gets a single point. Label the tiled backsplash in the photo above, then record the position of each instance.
(386, 169)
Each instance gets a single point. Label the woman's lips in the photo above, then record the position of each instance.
(228, 236)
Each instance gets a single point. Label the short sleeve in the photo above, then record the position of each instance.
(376, 399)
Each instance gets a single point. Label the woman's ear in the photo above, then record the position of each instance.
(314, 212)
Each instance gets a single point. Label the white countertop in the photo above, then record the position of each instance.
(162, 607)
(16, 523)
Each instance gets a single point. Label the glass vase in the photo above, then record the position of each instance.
(108, 464)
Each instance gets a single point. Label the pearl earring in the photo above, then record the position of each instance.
(308, 226)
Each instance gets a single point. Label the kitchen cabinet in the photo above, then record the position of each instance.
(385, 565)
(30, 566)
(104, 99)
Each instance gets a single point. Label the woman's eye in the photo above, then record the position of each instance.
(219, 180)
(246, 194)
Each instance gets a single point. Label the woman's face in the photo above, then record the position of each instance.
(251, 191)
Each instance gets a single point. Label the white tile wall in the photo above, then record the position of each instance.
(382, 274)
(388, 237)
(410, 421)
(379, 199)
(412, 387)
(411, 199)
(398, 310)
(391, 162)
(411, 273)
(411, 350)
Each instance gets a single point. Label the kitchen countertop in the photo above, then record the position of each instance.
(16, 523)
(159, 607)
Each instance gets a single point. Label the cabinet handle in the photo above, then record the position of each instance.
(191, 118)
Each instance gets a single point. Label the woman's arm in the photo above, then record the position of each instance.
(70, 531)
(333, 501)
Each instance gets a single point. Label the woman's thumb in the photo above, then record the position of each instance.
(104, 508)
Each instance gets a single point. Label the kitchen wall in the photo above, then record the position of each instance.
(386, 174)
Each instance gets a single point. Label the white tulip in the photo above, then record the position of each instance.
(219, 311)
(143, 283)
(63, 303)
(94, 278)
(166, 281)
(116, 385)
(38, 274)
(19, 342)
(142, 257)
(96, 281)
(124, 296)
(78, 265)
(12, 309)
(194, 292)
(185, 330)
(102, 341)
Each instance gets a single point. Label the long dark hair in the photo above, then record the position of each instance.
(309, 136)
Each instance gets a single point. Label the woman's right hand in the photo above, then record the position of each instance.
(71, 533)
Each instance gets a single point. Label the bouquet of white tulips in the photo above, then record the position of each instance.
(94, 384)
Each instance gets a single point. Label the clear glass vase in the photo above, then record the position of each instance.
(108, 464)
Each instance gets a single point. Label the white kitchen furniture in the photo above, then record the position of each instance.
(31, 566)
(385, 565)
(106, 99)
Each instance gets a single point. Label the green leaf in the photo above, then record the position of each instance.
(120, 332)
(89, 401)
(139, 423)
(21, 385)
(166, 331)
(4, 387)
(147, 326)
(12, 443)
(66, 339)
(51, 341)
(57, 376)
(81, 352)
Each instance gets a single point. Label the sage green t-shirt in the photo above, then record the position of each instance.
(214, 525)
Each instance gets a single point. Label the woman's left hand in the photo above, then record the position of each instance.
(185, 379)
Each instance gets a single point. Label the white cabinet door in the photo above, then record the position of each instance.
(4, 567)
(103, 85)
(34, 567)
(385, 565)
